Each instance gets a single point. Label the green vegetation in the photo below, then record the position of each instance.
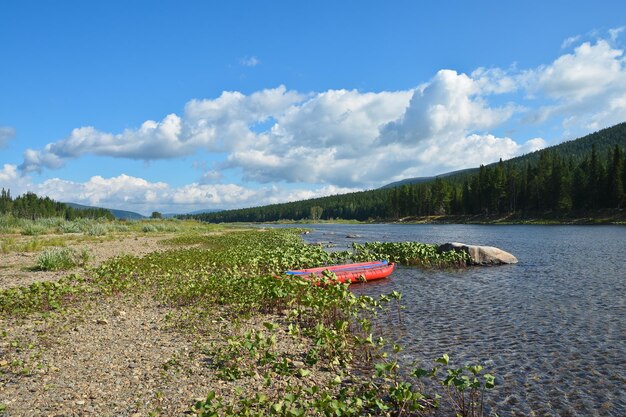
(118, 214)
(58, 259)
(574, 179)
(408, 253)
(387, 392)
(9, 224)
(29, 206)
(230, 276)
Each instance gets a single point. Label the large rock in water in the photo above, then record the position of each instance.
(480, 255)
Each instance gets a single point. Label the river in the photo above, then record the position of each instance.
(552, 328)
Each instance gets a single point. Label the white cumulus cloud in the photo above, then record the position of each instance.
(354, 140)
(8, 173)
(587, 87)
(450, 104)
(217, 125)
(138, 194)
(11, 179)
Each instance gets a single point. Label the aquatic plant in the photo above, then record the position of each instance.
(408, 253)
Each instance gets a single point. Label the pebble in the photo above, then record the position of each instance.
(102, 321)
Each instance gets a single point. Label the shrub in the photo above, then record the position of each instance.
(60, 259)
(148, 228)
(120, 227)
(51, 222)
(70, 227)
(97, 230)
(11, 224)
(33, 229)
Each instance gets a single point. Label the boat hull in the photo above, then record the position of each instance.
(357, 272)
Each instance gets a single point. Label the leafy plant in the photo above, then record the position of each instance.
(408, 253)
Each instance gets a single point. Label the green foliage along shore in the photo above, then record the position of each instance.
(584, 175)
(343, 364)
(30, 206)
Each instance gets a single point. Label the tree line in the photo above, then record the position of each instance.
(30, 206)
(549, 182)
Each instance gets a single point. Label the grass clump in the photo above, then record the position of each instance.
(70, 227)
(59, 259)
(7, 245)
(10, 224)
(97, 230)
(10, 244)
(34, 229)
(149, 228)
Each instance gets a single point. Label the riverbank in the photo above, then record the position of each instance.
(615, 217)
(201, 325)
(589, 217)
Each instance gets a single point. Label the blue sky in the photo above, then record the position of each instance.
(177, 106)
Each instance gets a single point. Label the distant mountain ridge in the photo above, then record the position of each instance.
(118, 214)
(131, 215)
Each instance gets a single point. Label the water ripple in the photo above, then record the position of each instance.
(552, 328)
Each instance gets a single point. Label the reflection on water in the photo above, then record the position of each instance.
(552, 328)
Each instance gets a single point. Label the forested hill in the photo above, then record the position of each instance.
(118, 214)
(604, 141)
(586, 174)
(417, 180)
(31, 206)
(577, 149)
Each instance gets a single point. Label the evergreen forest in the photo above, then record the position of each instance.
(582, 175)
(30, 206)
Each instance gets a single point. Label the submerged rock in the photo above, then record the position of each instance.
(480, 255)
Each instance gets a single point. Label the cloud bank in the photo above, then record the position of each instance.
(344, 140)
(137, 194)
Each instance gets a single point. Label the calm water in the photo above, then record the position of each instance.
(552, 327)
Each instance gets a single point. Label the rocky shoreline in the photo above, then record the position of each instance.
(116, 357)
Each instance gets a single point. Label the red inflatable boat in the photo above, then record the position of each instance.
(359, 272)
